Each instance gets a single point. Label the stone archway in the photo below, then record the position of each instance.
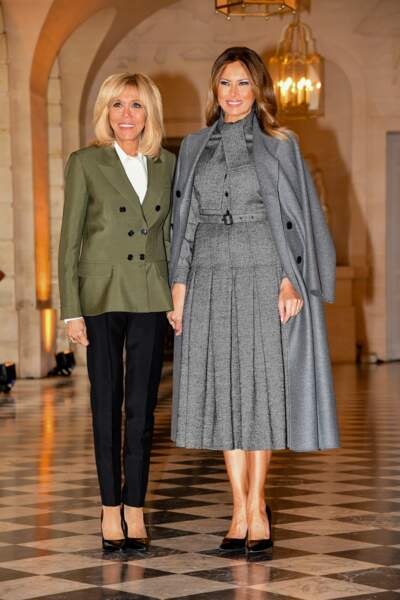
(62, 20)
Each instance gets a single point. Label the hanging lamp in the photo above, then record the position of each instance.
(297, 72)
(254, 8)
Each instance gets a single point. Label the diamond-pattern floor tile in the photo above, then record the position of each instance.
(167, 587)
(336, 515)
(322, 588)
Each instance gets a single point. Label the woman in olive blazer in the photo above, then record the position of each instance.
(114, 289)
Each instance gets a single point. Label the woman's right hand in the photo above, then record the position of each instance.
(175, 316)
(76, 332)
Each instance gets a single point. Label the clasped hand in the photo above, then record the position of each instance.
(76, 332)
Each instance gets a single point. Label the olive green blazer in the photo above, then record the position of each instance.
(113, 250)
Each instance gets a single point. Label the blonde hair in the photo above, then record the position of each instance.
(149, 94)
(263, 88)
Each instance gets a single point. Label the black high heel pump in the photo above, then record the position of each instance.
(110, 545)
(134, 543)
(263, 544)
(230, 544)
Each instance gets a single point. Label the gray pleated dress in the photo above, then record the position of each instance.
(231, 392)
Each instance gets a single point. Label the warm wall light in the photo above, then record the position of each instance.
(297, 72)
(255, 8)
(48, 328)
(41, 202)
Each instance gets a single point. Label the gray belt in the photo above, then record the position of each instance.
(228, 218)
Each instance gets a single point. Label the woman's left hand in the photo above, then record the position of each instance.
(175, 316)
(290, 302)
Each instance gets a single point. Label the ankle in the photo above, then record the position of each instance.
(111, 512)
(239, 515)
(256, 506)
(238, 528)
(111, 525)
(133, 511)
(239, 505)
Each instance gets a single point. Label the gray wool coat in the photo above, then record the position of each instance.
(308, 258)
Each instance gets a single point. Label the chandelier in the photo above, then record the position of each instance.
(297, 72)
(255, 8)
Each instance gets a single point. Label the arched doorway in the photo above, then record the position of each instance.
(62, 20)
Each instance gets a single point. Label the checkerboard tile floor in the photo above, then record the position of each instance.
(336, 515)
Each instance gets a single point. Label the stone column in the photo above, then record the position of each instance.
(56, 191)
(8, 313)
(24, 21)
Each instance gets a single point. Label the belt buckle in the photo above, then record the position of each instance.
(227, 218)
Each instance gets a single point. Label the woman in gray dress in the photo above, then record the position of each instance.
(237, 288)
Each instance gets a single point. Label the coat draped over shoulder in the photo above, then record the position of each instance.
(308, 258)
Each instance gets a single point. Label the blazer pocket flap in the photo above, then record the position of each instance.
(162, 269)
(88, 269)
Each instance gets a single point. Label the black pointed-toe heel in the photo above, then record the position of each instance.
(230, 544)
(263, 544)
(110, 545)
(142, 544)
(134, 543)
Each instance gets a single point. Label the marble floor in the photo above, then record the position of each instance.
(336, 515)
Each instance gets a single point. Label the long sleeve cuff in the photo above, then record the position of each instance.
(181, 275)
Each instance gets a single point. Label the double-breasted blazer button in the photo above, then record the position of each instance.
(158, 207)
(131, 232)
(122, 209)
(298, 260)
(130, 256)
(289, 224)
(144, 231)
(178, 193)
(141, 257)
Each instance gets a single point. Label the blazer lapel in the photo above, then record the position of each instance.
(112, 169)
(155, 187)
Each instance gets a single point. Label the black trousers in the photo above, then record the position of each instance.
(142, 335)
